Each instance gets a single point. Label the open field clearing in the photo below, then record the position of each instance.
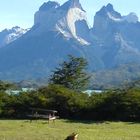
(41, 130)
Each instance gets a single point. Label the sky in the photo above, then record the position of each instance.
(21, 12)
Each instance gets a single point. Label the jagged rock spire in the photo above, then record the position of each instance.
(109, 7)
(49, 5)
(71, 4)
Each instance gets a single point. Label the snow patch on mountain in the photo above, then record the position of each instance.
(74, 15)
(15, 33)
(9, 35)
(130, 18)
(113, 17)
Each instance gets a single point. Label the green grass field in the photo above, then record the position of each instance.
(40, 130)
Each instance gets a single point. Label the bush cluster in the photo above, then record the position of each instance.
(111, 105)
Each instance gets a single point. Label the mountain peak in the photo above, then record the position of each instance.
(49, 5)
(109, 7)
(108, 12)
(15, 27)
(72, 4)
(68, 19)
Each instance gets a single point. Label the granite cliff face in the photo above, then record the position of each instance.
(116, 36)
(67, 19)
(60, 30)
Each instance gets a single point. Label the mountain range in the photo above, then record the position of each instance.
(61, 30)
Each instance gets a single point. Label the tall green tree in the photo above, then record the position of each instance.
(71, 74)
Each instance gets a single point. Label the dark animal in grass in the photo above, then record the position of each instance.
(73, 136)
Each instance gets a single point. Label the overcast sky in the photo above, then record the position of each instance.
(21, 12)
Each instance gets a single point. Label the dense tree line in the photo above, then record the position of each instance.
(112, 105)
(64, 94)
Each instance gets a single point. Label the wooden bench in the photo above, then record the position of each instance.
(37, 113)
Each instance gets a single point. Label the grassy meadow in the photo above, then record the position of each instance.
(41, 130)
